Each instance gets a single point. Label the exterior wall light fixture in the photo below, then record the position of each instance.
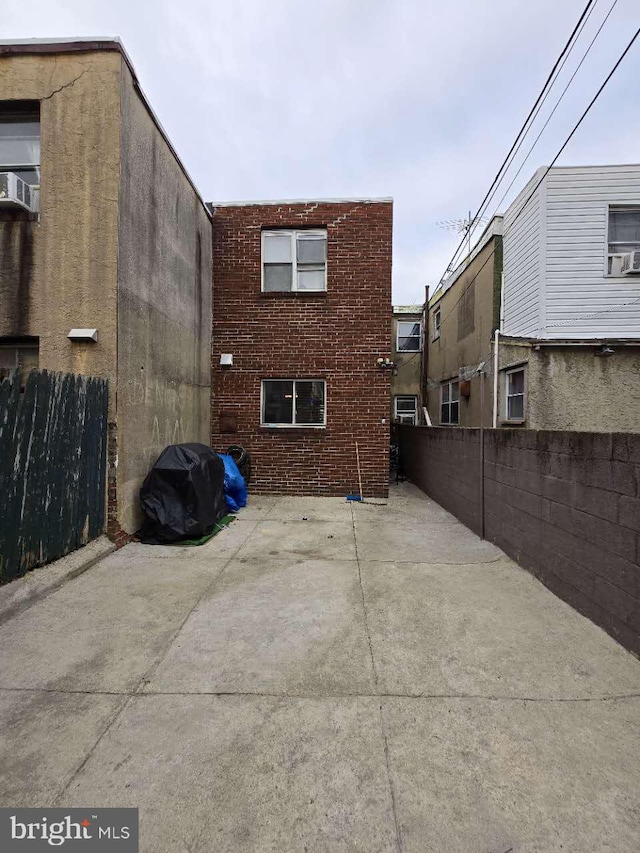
(83, 335)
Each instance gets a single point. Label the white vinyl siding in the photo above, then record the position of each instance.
(578, 285)
(576, 297)
(522, 262)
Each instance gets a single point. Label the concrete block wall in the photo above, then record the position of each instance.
(445, 463)
(564, 505)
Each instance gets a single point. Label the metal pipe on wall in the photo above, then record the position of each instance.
(482, 375)
(496, 344)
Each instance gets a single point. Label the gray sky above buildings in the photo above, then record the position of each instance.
(416, 99)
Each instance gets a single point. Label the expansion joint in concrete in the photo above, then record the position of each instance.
(364, 608)
(383, 731)
(268, 694)
(130, 695)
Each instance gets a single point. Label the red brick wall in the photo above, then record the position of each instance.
(336, 336)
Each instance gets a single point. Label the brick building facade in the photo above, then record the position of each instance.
(302, 294)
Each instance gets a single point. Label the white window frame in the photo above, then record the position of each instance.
(437, 324)
(518, 368)
(613, 255)
(449, 383)
(418, 336)
(293, 234)
(293, 425)
(21, 166)
(19, 348)
(400, 416)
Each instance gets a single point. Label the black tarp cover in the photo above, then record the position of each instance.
(182, 496)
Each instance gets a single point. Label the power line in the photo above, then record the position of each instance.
(550, 166)
(518, 144)
(581, 119)
(564, 91)
(524, 129)
(521, 142)
(595, 314)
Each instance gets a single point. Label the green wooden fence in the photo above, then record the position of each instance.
(53, 436)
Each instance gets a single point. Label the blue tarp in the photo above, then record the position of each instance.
(235, 488)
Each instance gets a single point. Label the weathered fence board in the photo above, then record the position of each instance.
(52, 467)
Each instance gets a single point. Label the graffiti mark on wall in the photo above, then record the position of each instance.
(164, 431)
(159, 404)
(155, 393)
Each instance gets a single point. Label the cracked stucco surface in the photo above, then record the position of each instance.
(73, 246)
(123, 245)
(325, 677)
(590, 393)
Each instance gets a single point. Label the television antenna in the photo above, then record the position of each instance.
(462, 226)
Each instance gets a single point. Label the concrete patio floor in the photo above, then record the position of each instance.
(372, 678)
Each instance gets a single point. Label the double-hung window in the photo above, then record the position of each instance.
(294, 261)
(515, 394)
(20, 148)
(406, 409)
(20, 353)
(450, 402)
(293, 402)
(437, 321)
(408, 338)
(624, 235)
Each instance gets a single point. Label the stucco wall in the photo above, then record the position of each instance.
(61, 271)
(469, 312)
(570, 388)
(407, 378)
(164, 305)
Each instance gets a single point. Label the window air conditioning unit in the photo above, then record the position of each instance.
(14, 192)
(630, 263)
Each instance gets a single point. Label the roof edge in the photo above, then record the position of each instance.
(20, 47)
(407, 309)
(266, 202)
(493, 229)
(568, 342)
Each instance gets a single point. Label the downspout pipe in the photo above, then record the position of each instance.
(496, 345)
(482, 525)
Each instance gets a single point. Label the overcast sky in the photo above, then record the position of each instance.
(415, 99)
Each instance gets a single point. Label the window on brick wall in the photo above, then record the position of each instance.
(294, 261)
(293, 402)
(450, 402)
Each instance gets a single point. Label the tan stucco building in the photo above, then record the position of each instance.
(567, 375)
(407, 342)
(592, 386)
(462, 317)
(115, 238)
